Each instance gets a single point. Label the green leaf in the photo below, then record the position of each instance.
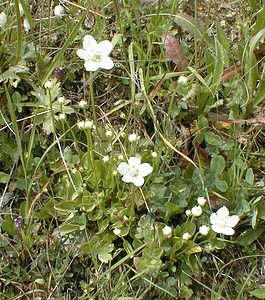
(4, 178)
(258, 293)
(193, 26)
(218, 66)
(249, 176)
(65, 207)
(213, 139)
(249, 236)
(172, 209)
(217, 164)
(221, 185)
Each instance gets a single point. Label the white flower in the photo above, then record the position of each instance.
(154, 154)
(95, 55)
(182, 79)
(48, 85)
(188, 212)
(105, 158)
(117, 231)
(134, 171)
(201, 201)
(196, 211)
(26, 25)
(120, 157)
(3, 19)
(167, 230)
(204, 230)
(82, 104)
(114, 173)
(222, 222)
(109, 133)
(62, 116)
(81, 124)
(89, 124)
(132, 137)
(186, 236)
(61, 100)
(59, 11)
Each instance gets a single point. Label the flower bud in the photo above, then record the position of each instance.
(61, 100)
(48, 85)
(82, 104)
(167, 230)
(196, 211)
(132, 138)
(26, 25)
(117, 231)
(204, 230)
(59, 11)
(186, 236)
(201, 201)
(182, 80)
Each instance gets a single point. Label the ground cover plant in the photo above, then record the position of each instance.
(132, 149)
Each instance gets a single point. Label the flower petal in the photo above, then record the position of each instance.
(134, 161)
(104, 47)
(91, 65)
(145, 169)
(217, 228)
(89, 43)
(223, 212)
(82, 54)
(214, 218)
(228, 231)
(106, 63)
(123, 168)
(232, 221)
(127, 178)
(138, 181)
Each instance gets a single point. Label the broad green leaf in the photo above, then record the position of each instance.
(217, 164)
(218, 66)
(213, 139)
(249, 176)
(249, 236)
(258, 293)
(4, 178)
(221, 185)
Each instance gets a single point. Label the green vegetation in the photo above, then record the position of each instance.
(132, 149)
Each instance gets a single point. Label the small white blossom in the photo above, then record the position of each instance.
(48, 85)
(188, 212)
(154, 154)
(62, 116)
(167, 230)
(61, 100)
(196, 211)
(117, 231)
(114, 173)
(89, 124)
(109, 133)
(186, 236)
(82, 104)
(96, 55)
(132, 137)
(120, 157)
(204, 230)
(81, 124)
(222, 222)
(134, 171)
(59, 11)
(3, 19)
(105, 158)
(201, 201)
(26, 25)
(182, 80)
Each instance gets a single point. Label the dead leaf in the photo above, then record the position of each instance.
(174, 51)
(231, 71)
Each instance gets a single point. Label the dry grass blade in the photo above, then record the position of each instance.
(174, 51)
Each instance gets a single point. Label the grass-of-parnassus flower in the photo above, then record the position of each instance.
(134, 171)
(222, 222)
(96, 55)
